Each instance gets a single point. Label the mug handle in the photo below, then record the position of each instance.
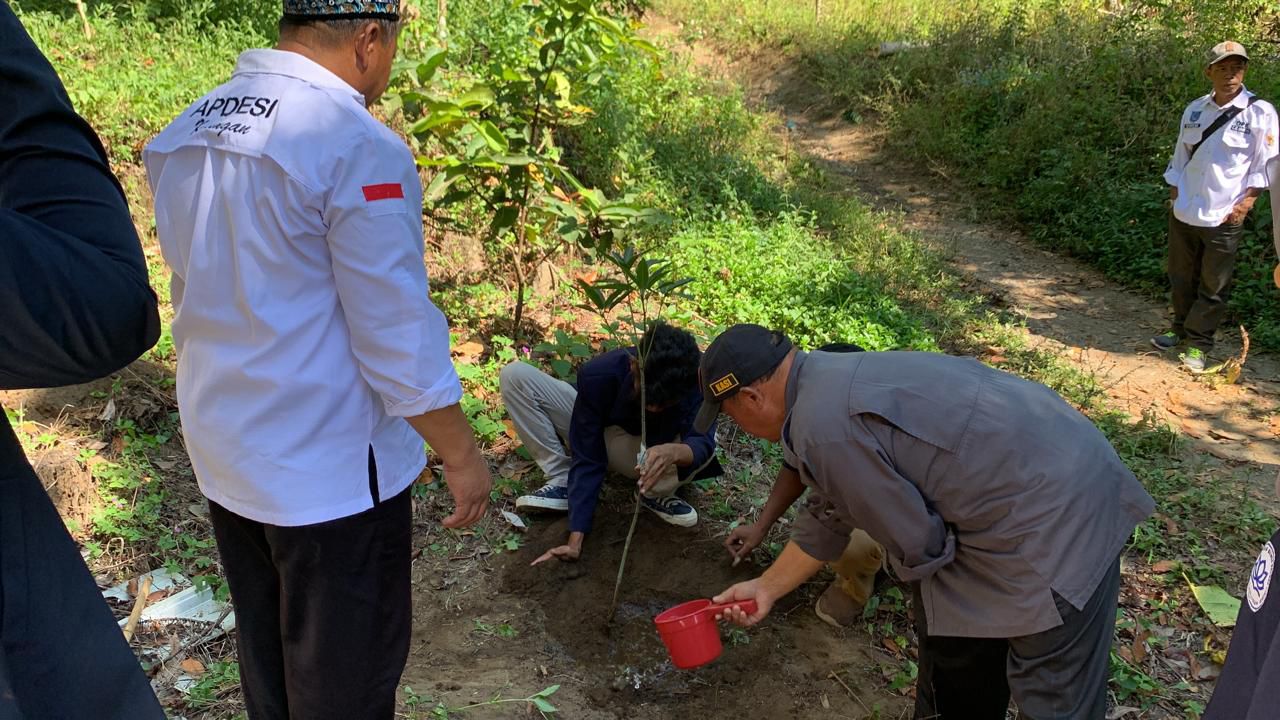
(748, 607)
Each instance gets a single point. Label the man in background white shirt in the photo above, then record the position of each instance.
(1218, 170)
(311, 362)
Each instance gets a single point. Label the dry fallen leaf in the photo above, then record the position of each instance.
(1170, 526)
(468, 349)
(1139, 651)
(192, 666)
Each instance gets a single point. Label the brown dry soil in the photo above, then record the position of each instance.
(558, 612)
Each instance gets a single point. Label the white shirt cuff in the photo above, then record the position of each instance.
(445, 392)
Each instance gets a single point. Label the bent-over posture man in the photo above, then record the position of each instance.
(1002, 505)
(841, 604)
(577, 434)
(311, 362)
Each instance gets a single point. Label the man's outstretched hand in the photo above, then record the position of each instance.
(469, 483)
(568, 552)
(743, 539)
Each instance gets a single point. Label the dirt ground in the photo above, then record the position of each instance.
(557, 614)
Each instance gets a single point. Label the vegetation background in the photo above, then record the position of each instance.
(1060, 113)
(1064, 111)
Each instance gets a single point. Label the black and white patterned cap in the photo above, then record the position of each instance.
(342, 9)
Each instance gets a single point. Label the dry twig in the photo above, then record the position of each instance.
(143, 591)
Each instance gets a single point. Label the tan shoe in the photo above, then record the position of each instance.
(836, 608)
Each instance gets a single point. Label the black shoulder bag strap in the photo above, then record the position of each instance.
(1214, 126)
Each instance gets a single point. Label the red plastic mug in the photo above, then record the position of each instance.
(690, 633)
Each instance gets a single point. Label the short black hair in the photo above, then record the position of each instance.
(339, 30)
(671, 365)
(841, 347)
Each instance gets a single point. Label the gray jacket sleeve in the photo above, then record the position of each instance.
(861, 479)
(819, 530)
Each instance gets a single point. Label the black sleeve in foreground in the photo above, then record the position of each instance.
(74, 300)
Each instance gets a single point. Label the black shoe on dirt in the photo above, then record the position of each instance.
(1167, 341)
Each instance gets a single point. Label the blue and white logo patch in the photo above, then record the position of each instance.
(1195, 115)
(1260, 578)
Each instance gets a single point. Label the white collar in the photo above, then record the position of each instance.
(294, 65)
(1241, 100)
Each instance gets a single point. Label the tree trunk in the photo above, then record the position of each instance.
(517, 261)
(442, 24)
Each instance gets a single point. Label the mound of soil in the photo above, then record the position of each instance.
(777, 670)
(70, 485)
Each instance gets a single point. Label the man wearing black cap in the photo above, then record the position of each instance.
(1219, 168)
(1002, 505)
(311, 361)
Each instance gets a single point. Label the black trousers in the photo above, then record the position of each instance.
(1058, 674)
(62, 655)
(1201, 263)
(323, 612)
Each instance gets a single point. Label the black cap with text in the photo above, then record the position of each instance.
(740, 356)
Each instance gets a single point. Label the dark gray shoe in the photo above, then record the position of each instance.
(1166, 341)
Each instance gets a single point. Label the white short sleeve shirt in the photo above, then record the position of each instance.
(291, 220)
(1231, 160)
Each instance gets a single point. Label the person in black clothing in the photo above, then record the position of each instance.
(576, 434)
(1249, 687)
(76, 306)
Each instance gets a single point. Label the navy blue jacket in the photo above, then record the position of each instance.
(1249, 688)
(606, 397)
(74, 306)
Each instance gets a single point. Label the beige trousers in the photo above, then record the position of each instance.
(857, 567)
(541, 407)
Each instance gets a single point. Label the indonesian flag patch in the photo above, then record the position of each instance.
(383, 191)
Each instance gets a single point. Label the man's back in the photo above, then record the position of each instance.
(292, 223)
(1009, 466)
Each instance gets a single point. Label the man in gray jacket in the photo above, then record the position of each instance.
(1004, 507)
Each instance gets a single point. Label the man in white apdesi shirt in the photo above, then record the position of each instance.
(311, 362)
(1218, 170)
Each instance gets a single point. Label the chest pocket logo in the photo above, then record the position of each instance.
(1260, 577)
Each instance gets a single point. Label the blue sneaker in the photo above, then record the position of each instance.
(547, 497)
(673, 510)
(1166, 341)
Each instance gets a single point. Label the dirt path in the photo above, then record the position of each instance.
(1066, 305)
